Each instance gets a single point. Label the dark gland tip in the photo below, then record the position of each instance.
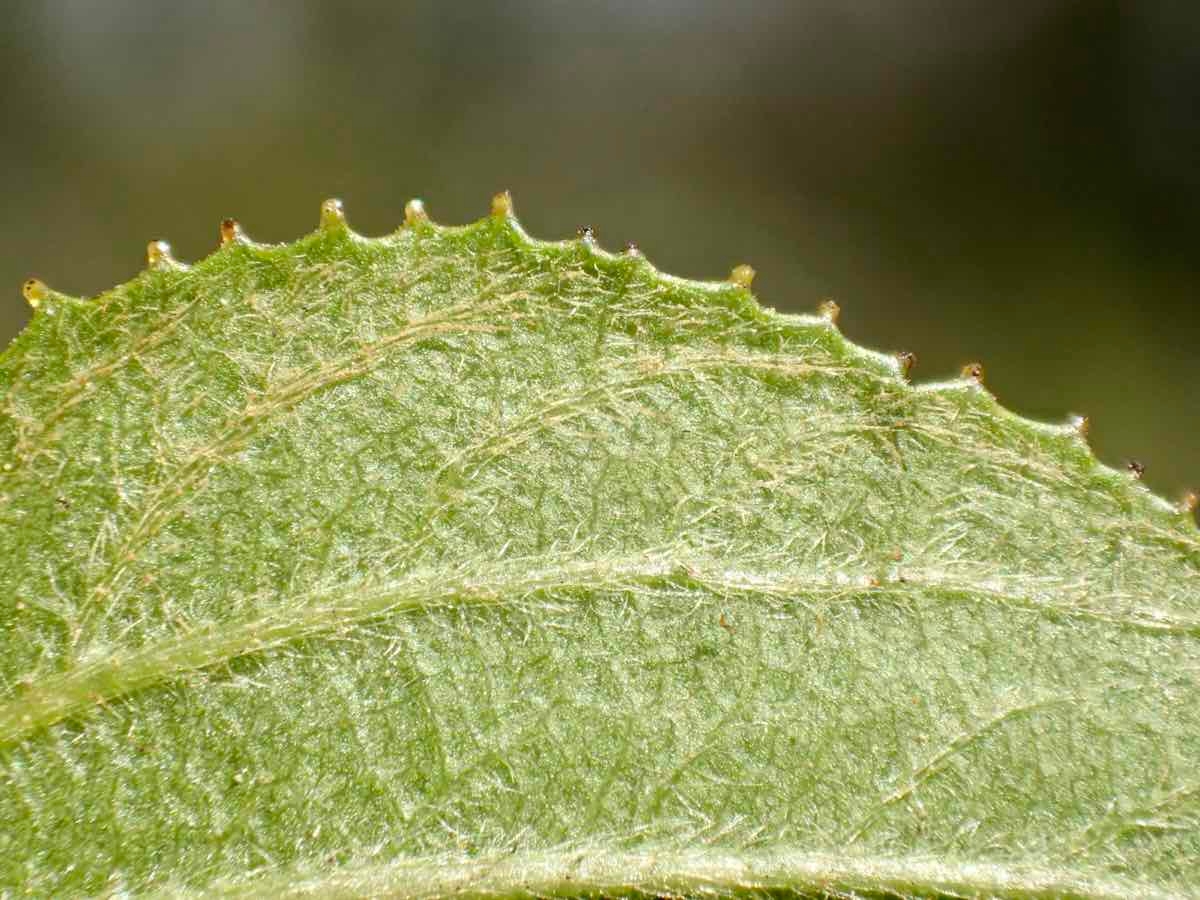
(502, 205)
(1191, 502)
(974, 371)
(829, 310)
(34, 292)
(333, 213)
(1136, 469)
(230, 231)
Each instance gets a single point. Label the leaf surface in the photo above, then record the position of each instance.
(454, 562)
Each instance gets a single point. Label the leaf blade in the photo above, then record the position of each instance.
(454, 543)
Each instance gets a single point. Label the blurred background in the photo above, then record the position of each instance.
(1012, 182)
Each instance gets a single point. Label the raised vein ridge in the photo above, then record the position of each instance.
(584, 871)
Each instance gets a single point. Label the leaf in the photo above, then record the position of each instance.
(457, 562)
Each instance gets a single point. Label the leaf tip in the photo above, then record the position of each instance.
(742, 276)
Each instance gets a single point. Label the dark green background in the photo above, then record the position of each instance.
(1013, 182)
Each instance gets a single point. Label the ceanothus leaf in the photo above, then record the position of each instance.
(454, 562)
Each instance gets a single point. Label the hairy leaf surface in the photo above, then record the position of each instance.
(455, 562)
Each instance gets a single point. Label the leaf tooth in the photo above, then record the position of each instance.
(631, 252)
(1135, 468)
(829, 311)
(35, 292)
(973, 371)
(587, 234)
(159, 256)
(414, 212)
(231, 232)
(502, 206)
(333, 214)
(742, 276)
(1190, 503)
(906, 360)
(40, 296)
(1081, 425)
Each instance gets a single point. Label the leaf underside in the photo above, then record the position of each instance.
(454, 562)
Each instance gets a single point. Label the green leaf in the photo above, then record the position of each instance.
(458, 562)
